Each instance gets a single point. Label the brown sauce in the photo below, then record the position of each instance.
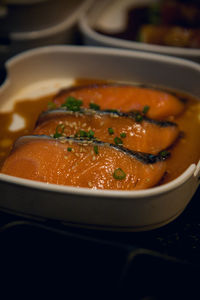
(187, 148)
(183, 153)
(29, 111)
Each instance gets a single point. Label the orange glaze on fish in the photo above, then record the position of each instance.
(144, 136)
(125, 98)
(50, 161)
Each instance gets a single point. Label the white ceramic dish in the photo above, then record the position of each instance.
(52, 23)
(46, 70)
(110, 15)
(27, 16)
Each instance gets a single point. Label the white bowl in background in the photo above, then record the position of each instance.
(27, 16)
(46, 70)
(111, 14)
(39, 23)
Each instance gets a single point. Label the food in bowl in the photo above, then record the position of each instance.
(108, 136)
(171, 23)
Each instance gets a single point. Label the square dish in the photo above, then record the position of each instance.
(111, 17)
(44, 71)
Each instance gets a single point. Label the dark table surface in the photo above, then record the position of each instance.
(179, 239)
(51, 258)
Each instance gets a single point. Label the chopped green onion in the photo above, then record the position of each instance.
(110, 131)
(94, 106)
(59, 131)
(69, 149)
(119, 174)
(83, 133)
(72, 104)
(90, 134)
(96, 150)
(51, 105)
(118, 141)
(138, 117)
(164, 153)
(123, 135)
(145, 109)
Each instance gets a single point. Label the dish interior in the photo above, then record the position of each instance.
(18, 117)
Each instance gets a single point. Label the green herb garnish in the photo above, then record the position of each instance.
(138, 117)
(59, 131)
(72, 104)
(83, 133)
(123, 135)
(145, 109)
(96, 150)
(90, 134)
(69, 149)
(110, 131)
(51, 105)
(118, 141)
(164, 153)
(119, 174)
(94, 106)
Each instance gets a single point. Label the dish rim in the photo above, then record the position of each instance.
(102, 50)
(154, 191)
(56, 28)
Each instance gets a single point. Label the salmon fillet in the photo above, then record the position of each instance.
(161, 104)
(116, 128)
(80, 163)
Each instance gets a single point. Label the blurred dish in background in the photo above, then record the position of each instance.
(168, 27)
(34, 15)
(28, 24)
(169, 23)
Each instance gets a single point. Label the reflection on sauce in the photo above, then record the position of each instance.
(29, 111)
(183, 153)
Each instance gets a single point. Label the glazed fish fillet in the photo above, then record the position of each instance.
(83, 163)
(145, 135)
(161, 104)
